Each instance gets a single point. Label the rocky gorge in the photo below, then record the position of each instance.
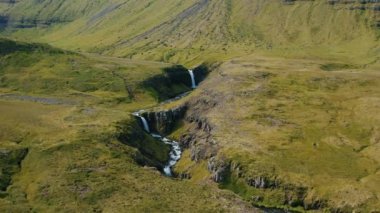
(161, 123)
(191, 121)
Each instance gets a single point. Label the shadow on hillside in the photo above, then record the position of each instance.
(173, 81)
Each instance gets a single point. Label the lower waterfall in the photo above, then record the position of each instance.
(175, 152)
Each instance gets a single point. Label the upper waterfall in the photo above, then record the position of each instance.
(193, 83)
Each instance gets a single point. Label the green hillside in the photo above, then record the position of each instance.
(285, 115)
(287, 133)
(63, 116)
(190, 31)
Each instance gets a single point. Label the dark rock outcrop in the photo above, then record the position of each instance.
(184, 176)
(201, 72)
(174, 80)
(199, 138)
(151, 152)
(178, 74)
(164, 122)
(10, 164)
(218, 169)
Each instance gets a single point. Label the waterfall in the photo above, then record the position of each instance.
(175, 151)
(143, 120)
(145, 123)
(193, 83)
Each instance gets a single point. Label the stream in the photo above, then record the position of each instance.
(175, 152)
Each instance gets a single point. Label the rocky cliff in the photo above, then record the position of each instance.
(151, 152)
(164, 122)
(10, 164)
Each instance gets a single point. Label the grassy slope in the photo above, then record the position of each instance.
(75, 162)
(74, 167)
(301, 125)
(210, 30)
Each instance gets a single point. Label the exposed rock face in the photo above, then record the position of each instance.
(262, 182)
(258, 182)
(10, 164)
(221, 169)
(184, 176)
(201, 73)
(218, 169)
(174, 80)
(179, 74)
(198, 137)
(151, 152)
(164, 122)
(199, 140)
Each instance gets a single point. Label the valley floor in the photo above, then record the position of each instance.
(263, 131)
(61, 149)
(286, 132)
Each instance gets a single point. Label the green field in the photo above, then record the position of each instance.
(294, 125)
(60, 141)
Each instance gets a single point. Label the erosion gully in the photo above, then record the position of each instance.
(175, 152)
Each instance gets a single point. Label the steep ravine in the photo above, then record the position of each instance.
(196, 137)
(175, 150)
(199, 139)
(158, 124)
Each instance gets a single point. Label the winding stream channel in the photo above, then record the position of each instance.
(175, 152)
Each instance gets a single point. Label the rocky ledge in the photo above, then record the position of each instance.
(164, 122)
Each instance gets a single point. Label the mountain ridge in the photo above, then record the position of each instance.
(200, 28)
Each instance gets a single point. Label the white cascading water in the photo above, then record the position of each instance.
(143, 120)
(193, 83)
(175, 152)
(145, 123)
(174, 155)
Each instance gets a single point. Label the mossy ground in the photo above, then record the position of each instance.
(292, 121)
(312, 122)
(71, 127)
